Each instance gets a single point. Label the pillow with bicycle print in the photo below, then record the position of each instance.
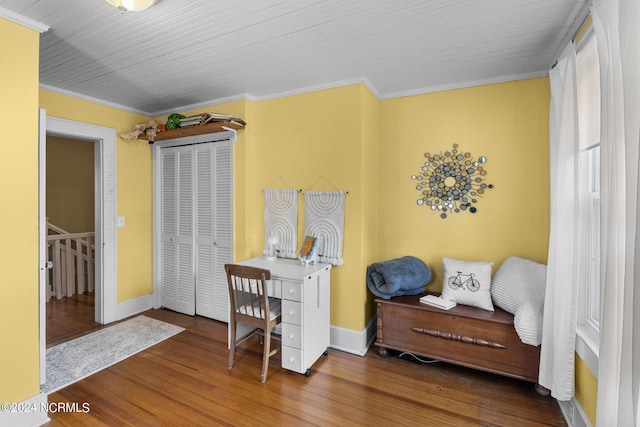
(467, 283)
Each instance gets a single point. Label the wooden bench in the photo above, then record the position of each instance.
(463, 335)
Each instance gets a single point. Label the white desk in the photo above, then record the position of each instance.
(305, 294)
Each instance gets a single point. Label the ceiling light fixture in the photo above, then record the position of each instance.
(131, 5)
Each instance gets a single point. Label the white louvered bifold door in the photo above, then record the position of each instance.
(177, 230)
(196, 228)
(213, 228)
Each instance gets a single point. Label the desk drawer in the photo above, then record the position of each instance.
(292, 359)
(292, 312)
(291, 335)
(292, 291)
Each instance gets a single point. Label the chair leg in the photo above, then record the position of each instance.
(232, 343)
(266, 354)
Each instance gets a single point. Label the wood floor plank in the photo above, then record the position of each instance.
(70, 316)
(184, 380)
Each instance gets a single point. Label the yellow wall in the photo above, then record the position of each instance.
(19, 357)
(508, 124)
(70, 184)
(370, 178)
(134, 188)
(586, 389)
(314, 141)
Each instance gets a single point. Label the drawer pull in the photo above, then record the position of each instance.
(291, 337)
(455, 337)
(291, 313)
(291, 291)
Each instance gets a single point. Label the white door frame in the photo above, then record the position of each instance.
(105, 208)
(42, 242)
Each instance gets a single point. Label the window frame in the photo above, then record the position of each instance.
(590, 288)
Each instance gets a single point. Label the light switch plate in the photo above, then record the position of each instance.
(120, 222)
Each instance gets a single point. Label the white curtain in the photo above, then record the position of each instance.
(630, 55)
(615, 24)
(560, 305)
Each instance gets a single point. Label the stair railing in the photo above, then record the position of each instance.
(72, 257)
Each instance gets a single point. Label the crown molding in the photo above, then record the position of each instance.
(463, 85)
(248, 97)
(92, 99)
(242, 97)
(23, 20)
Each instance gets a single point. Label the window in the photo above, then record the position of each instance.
(588, 94)
(592, 245)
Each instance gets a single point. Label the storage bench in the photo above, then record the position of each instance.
(463, 335)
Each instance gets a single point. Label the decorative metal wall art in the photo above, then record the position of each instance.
(451, 182)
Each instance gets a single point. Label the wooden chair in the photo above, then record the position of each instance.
(250, 304)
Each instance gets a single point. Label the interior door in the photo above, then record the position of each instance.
(213, 228)
(223, 227)
(196, 228)
(177, 230)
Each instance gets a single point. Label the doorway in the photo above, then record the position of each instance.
(70, 201)
(104, 140)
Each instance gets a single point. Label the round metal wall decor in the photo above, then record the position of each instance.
(451, 182)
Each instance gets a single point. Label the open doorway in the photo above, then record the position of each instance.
(70, 202)
(105, 293)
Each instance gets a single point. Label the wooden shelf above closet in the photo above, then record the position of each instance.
(193, 130)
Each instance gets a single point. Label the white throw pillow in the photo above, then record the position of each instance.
(518, 280)
(467, 283)
(528, 323)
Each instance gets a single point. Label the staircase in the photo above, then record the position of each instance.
(71, 262)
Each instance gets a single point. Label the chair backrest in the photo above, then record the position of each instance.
(248, 292)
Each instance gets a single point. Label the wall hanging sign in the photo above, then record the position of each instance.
(280, 223)
(324, 219)
(451, 182)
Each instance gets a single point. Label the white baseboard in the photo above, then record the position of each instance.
(351, 341)
(573, 413)
(134, 306)
(28, 413)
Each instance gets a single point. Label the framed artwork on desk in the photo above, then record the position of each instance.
(308, 250)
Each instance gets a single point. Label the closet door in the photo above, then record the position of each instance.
(176, 252)
(196, 228)
(213, 228)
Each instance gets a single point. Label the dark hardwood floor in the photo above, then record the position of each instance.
(184, 380)
(70, 317)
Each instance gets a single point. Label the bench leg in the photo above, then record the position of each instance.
(383, 352)
(542, 391)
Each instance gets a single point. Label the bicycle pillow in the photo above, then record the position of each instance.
(467, 283)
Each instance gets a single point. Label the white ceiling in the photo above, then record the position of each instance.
(185, 53)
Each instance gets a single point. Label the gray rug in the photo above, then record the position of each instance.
(77, 359)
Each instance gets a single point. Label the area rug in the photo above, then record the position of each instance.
(77, 359)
